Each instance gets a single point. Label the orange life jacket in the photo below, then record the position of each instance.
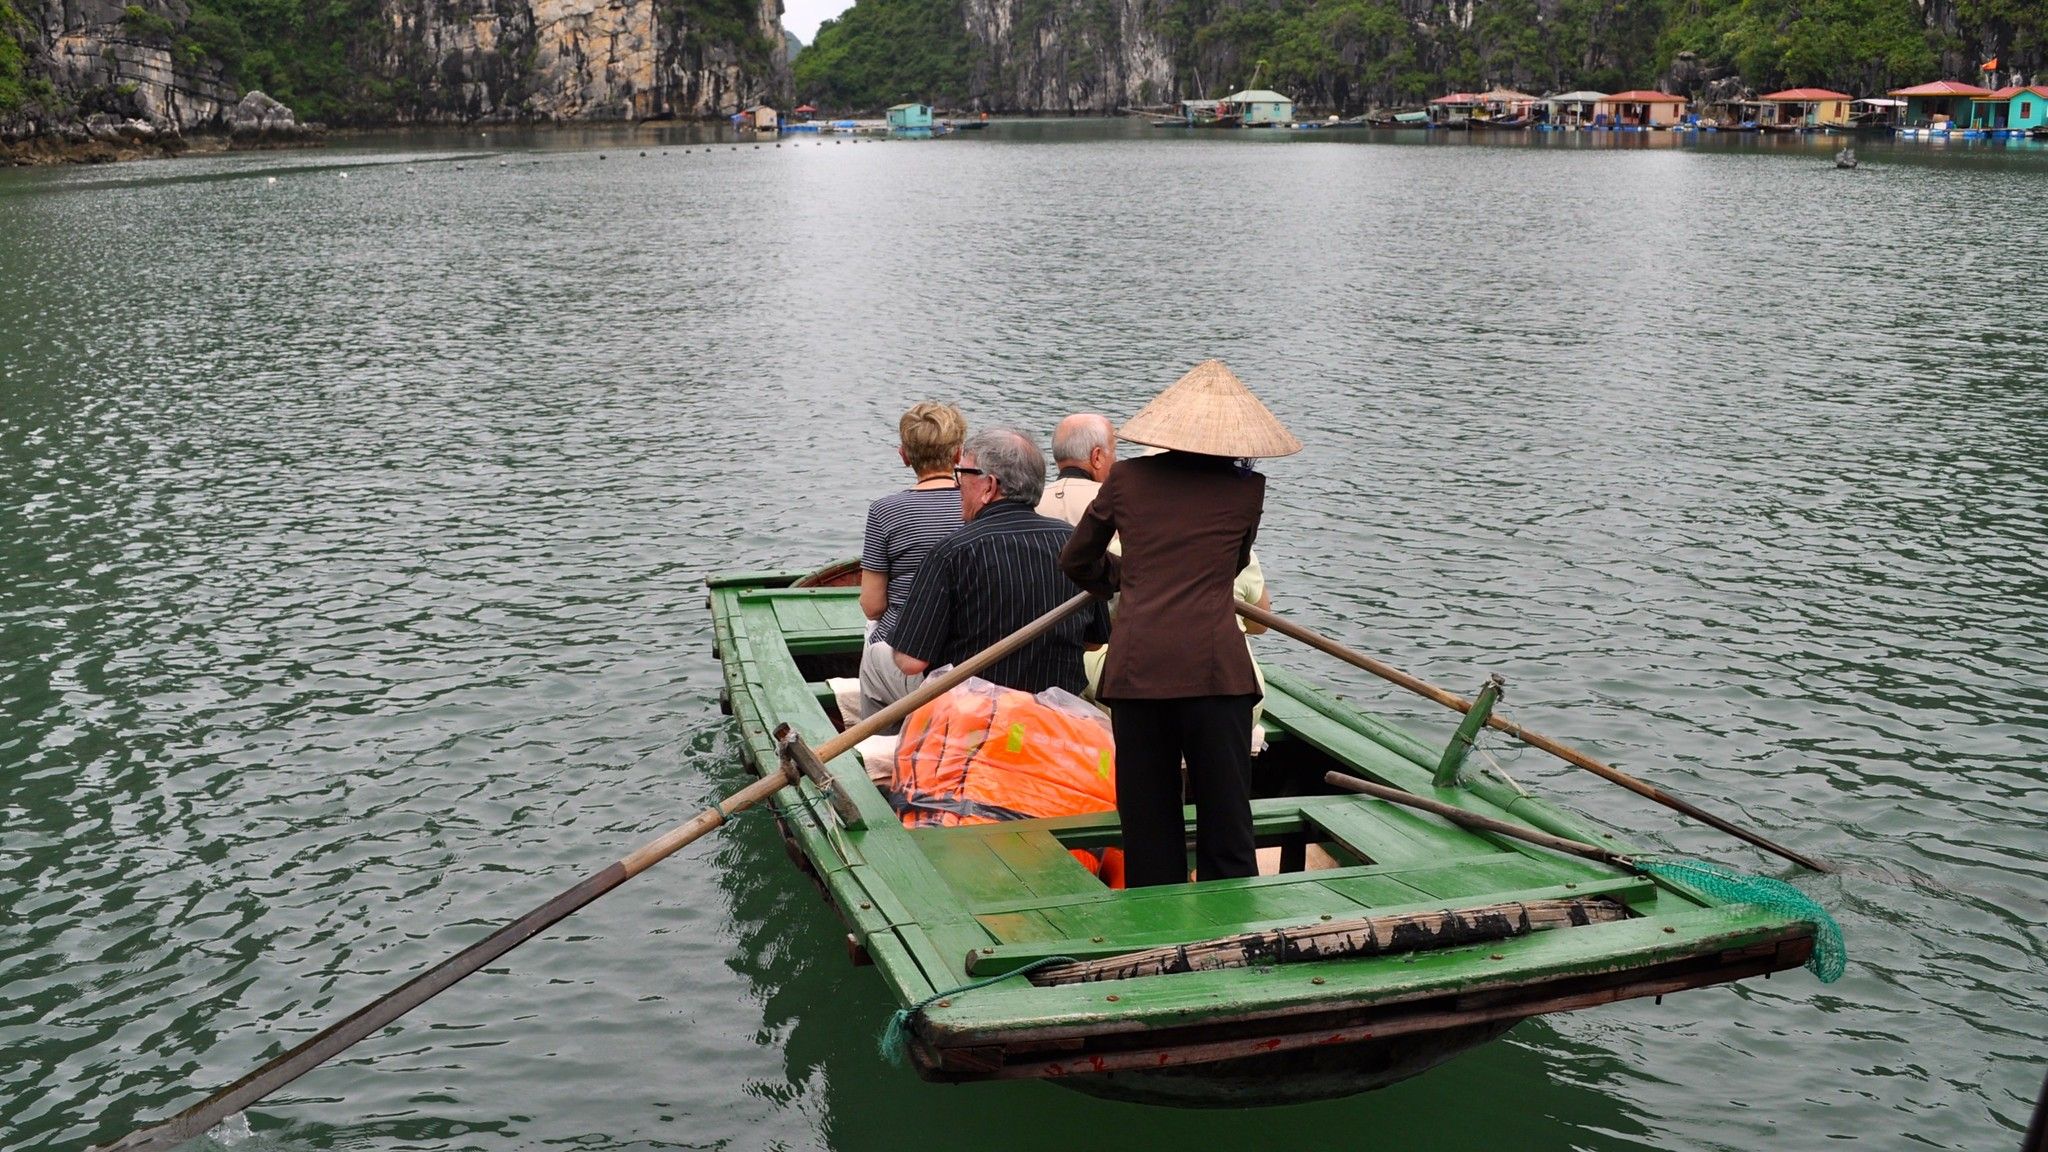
(983, 753)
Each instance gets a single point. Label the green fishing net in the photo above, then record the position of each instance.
(1718, 882)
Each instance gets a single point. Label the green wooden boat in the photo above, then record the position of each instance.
(937, 909)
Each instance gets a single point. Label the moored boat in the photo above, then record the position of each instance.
(1122, 993)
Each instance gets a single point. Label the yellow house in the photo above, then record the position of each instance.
(1809, 107)
(1639, 108)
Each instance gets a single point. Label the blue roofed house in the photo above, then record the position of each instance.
(1262, 106)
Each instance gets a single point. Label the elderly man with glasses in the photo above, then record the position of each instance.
(998, 573)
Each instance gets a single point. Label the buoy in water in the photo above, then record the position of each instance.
(270, 180)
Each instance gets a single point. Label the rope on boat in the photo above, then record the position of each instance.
(1830, 955)
(895, 1041)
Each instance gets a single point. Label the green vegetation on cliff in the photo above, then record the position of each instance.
(1857, 45)
(1354, 53)
(883, 52)
(13, 89)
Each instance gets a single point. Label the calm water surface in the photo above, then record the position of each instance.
(352, 533)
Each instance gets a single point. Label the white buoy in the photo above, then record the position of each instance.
(270, 180)
(501, 163)
(412, 171)
(344, 175)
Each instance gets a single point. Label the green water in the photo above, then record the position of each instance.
(352, 533)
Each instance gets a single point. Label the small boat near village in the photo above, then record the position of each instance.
(1387, 941)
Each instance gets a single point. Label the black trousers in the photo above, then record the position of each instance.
(1214, 735)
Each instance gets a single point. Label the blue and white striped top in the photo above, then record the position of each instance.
(902, 529)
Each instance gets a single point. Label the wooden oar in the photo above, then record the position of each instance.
(1563, 752)
(1459, 816)
(373, 1017)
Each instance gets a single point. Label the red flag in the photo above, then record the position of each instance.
(1990, 65)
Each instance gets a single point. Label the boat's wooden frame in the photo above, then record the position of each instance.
(937, 908)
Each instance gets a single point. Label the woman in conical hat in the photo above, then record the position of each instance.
(1178, 679)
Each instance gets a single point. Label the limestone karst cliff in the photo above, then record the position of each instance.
(170, 67)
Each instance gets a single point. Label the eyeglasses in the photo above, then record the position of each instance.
(959, 472)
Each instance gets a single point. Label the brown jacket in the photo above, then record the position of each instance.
(1187, 524)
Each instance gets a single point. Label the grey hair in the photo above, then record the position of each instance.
(1085, 437)
(1013, 458)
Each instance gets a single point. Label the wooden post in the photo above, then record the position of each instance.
(1467, 735)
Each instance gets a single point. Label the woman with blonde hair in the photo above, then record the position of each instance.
(901, 529)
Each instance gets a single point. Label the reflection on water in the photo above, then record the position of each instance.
(350, 592)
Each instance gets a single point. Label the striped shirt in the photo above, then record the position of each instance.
(902, 529)
(989, 579)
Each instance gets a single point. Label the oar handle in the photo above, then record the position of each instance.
(1563, 752)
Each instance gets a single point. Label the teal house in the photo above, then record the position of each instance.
(2016, 108)
(910, 117)
(1261, 106)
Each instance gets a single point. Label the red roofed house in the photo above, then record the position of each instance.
(1641, 109)
(2015, 109)
(1808, 107)
(1938, 105)
(1454, 110)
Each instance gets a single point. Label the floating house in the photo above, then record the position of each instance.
(1454, 110)
(1640, 108)
(1938, 106)
(1807, 108)
(1570, 109)
(1261, 106)
(1879, 112)
(910, 117)
(1505, 104)
(1209, 114)
(762, 118)
(2017, 109)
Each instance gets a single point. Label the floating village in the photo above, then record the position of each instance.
(1936, 110)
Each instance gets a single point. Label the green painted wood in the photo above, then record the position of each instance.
(1299, 691)
(1195, 912)
(750, 580)
(1463, 740)
(1020, 927)
(1015, 1007)
(1390, 834)
(1015, 953)
(1043, 863)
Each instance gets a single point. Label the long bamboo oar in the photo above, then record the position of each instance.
(1459, 816)
(1563, 752)
(374, 1016)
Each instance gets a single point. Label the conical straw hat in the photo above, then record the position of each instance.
(1209, 410)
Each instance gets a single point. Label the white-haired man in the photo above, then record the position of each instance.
(997, 574)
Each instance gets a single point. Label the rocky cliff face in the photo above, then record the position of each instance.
(1090, 57)
(462, 60)
(146, 72)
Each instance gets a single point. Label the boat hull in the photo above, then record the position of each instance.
(1303, 1076)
